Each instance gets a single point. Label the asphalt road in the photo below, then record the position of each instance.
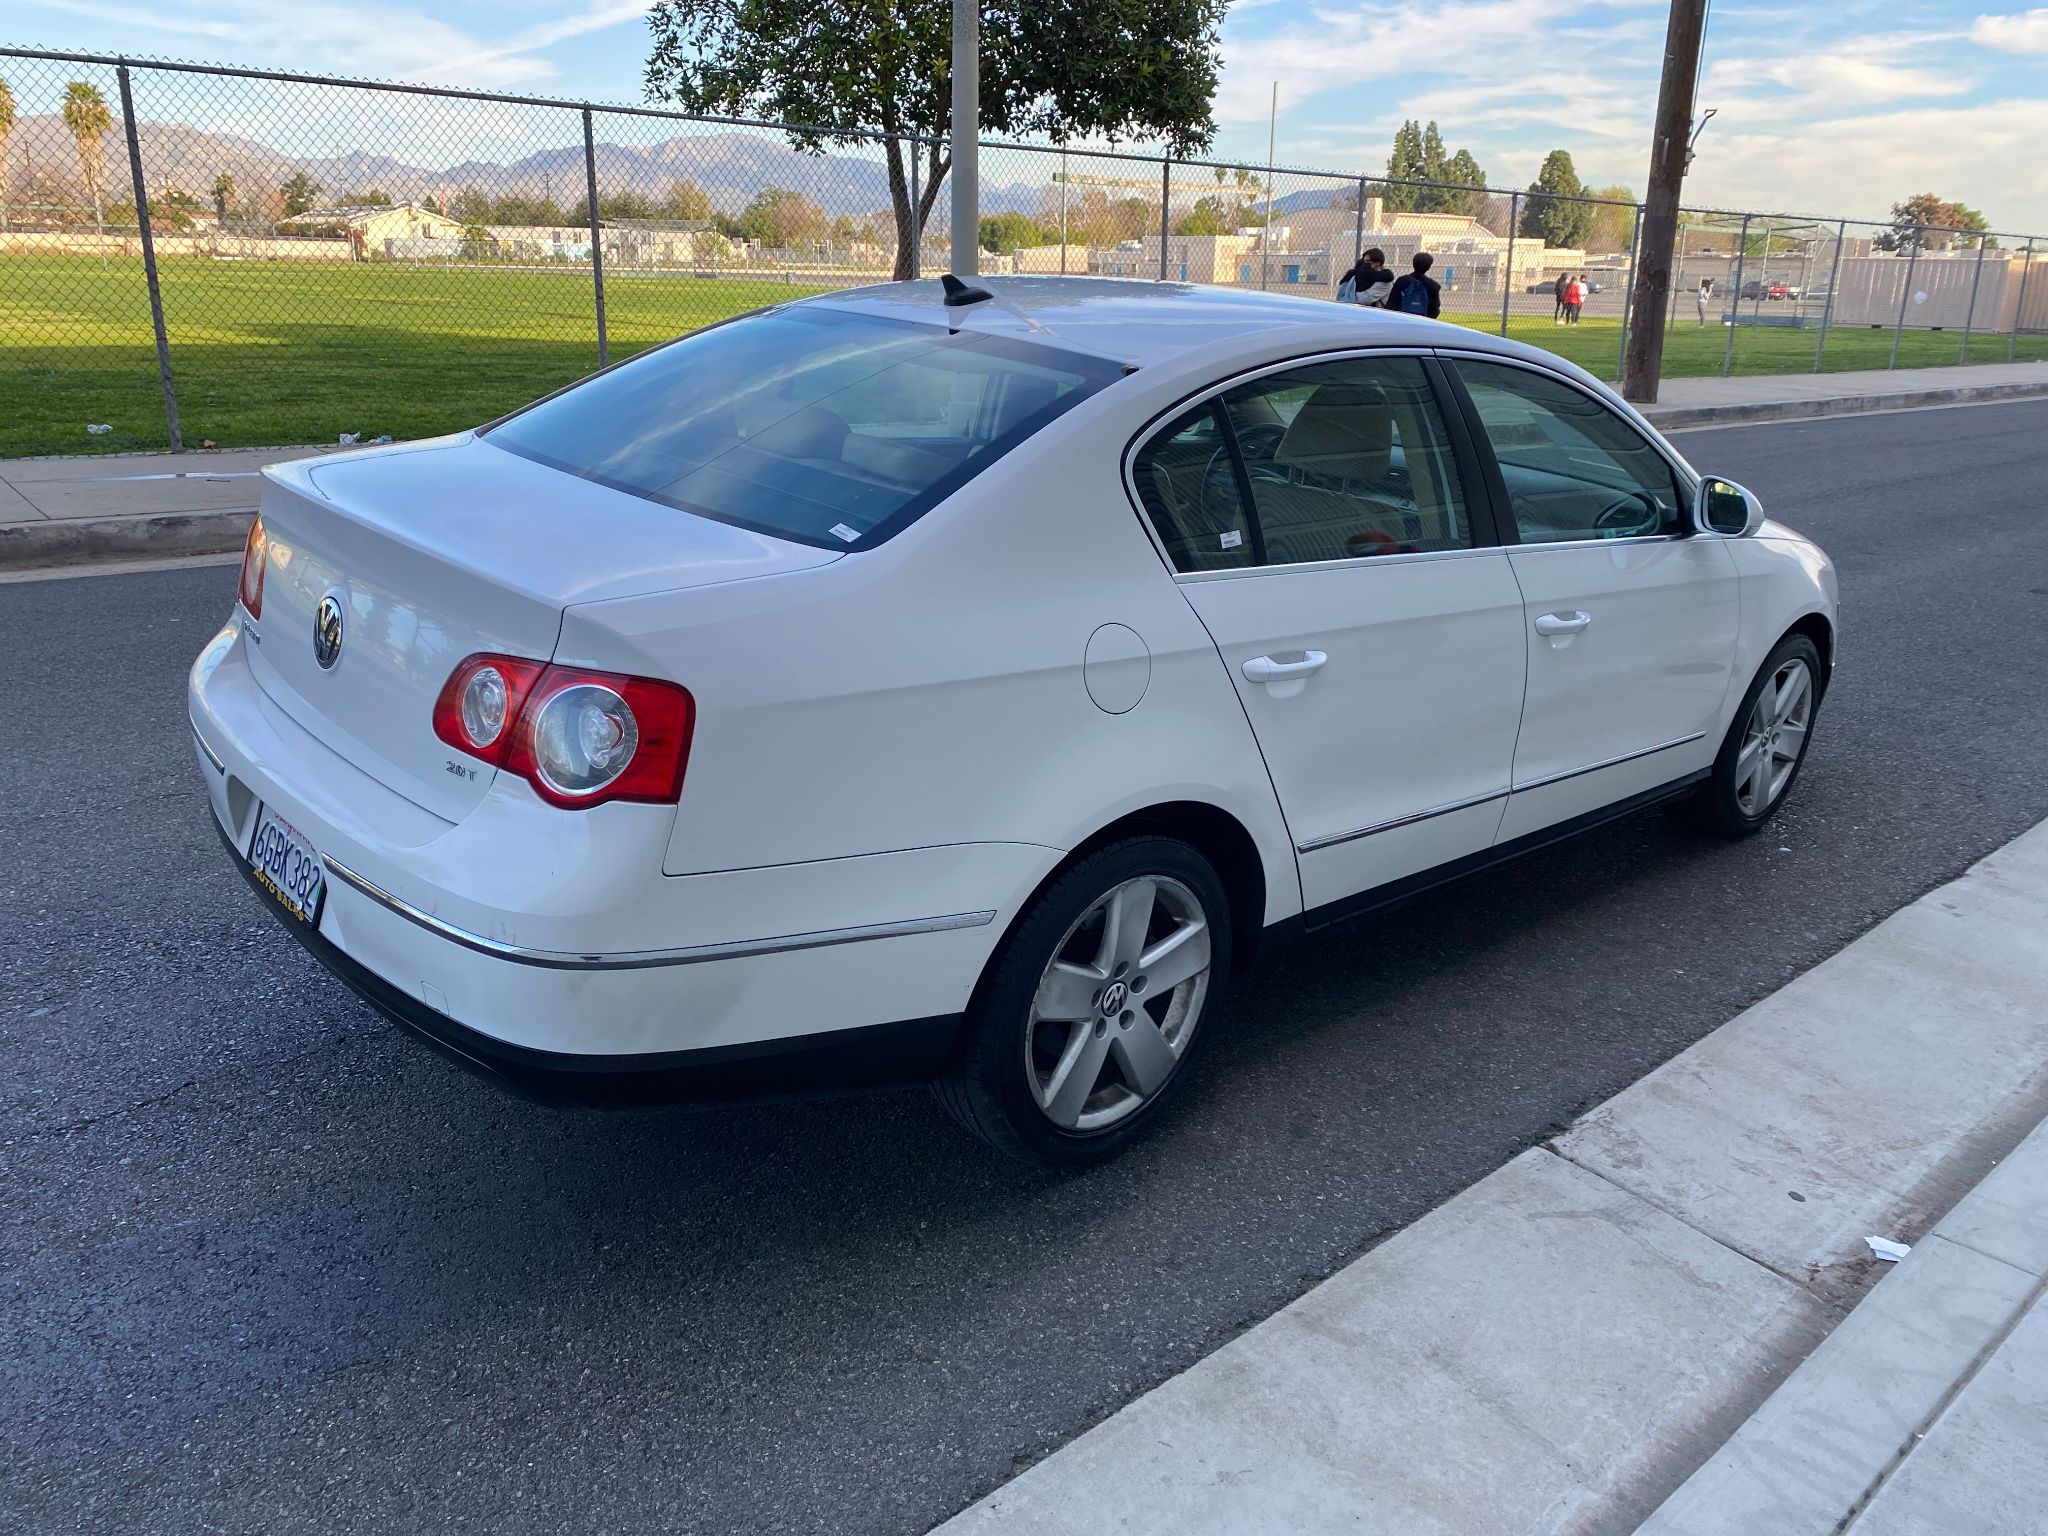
(266, 1264)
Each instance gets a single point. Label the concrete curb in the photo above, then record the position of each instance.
(1832, 1442)
(1559, 1348)
(1675, 416)
(94, 540)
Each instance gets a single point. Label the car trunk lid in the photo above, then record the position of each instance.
(438, 550)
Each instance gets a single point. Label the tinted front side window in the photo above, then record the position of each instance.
(813, 424)
(1345, 460)
(1574, 469)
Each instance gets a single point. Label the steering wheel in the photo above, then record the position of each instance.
(1628, 510)
(1218, 481)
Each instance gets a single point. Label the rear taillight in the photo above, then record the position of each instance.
(254, 550)
(578, 737)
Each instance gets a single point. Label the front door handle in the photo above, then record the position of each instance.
(1266, 669)
(1563, 623)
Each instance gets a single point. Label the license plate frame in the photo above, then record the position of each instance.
(288, 866)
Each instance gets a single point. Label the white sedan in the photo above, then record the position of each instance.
(942, 682)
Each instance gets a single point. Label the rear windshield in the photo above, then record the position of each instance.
(812, 424)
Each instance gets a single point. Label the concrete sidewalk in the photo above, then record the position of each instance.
(142, 506)
(1661, 1306)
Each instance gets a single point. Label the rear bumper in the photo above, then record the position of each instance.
(538, 942)
(870, 1056)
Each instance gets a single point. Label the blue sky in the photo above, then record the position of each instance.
(1823, 108)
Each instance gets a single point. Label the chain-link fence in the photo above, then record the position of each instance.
(192, 254)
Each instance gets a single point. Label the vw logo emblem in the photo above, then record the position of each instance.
(1114, 997)
(327, 631)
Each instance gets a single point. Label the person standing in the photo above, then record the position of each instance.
(1700, 296)
(1370, 280)
(1574, 299)
(1416, 292)
(1558, 289)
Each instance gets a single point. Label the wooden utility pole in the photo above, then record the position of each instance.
(1669, 151)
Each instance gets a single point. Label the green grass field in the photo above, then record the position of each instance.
(274, 352)
(296, 352)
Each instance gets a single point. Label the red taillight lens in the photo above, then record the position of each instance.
(254, 551)
(479, 705)
(578, 737)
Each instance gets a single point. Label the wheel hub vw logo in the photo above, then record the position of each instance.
(1113, 998)
(327, 631)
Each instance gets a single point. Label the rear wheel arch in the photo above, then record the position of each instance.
(1211, 831)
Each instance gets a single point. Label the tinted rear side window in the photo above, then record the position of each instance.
(813, 424)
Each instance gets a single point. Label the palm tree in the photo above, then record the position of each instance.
(223, 195)
(86, 115)
(6, 128)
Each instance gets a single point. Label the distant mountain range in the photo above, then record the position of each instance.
(730, 166)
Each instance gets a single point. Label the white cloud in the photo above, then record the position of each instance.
(2024, 33)
(382, 41)
(1986, 155)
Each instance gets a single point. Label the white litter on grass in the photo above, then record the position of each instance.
(349, 439)
(96, 428)
(1884, 1248)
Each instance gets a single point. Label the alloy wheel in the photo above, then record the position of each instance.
(1118, 1003)
(1774, 738)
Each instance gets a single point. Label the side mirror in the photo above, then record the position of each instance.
(1727, 509)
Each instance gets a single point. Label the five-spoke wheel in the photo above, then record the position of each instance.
(1084, 1025)
(1766, 743)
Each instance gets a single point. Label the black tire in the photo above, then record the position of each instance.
(1719, 804)
(989, 1088)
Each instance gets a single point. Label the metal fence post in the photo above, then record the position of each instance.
(1507, 271)
(1735, 298)
(1905, 297)
(916, 228)
(604, 350)
(1358, 227)
(1827, 312)
(156, 296)
(1628, 289)
(2012, 347)
(1165, 209)
(1970, 314)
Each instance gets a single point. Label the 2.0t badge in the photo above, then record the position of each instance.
(327, 631)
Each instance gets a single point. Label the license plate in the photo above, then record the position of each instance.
(287, 864)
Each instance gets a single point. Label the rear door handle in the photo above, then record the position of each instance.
(1563, 623)
(1265, 669)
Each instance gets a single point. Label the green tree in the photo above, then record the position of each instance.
(615, 206)
(782, 220)
(1614, 225)
(1010, 232)
(1209, 216)
(86, 115)
(1465, 189)
(368, 197)
(685, 203)
(528, 212)
(7, 120)
(1941, 224)
(223, 196)
(1404, 164)
(472, 205)
(1053, 69)
(1547, 215)
(300, 193)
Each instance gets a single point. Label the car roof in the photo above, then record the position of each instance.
(1135, 322)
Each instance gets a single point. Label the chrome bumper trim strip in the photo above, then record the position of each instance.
(1612, 762)
(696, 954)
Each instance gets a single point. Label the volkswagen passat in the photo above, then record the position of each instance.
(948, 682)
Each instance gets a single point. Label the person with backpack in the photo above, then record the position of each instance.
(1417, 293)
(1370, 281)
